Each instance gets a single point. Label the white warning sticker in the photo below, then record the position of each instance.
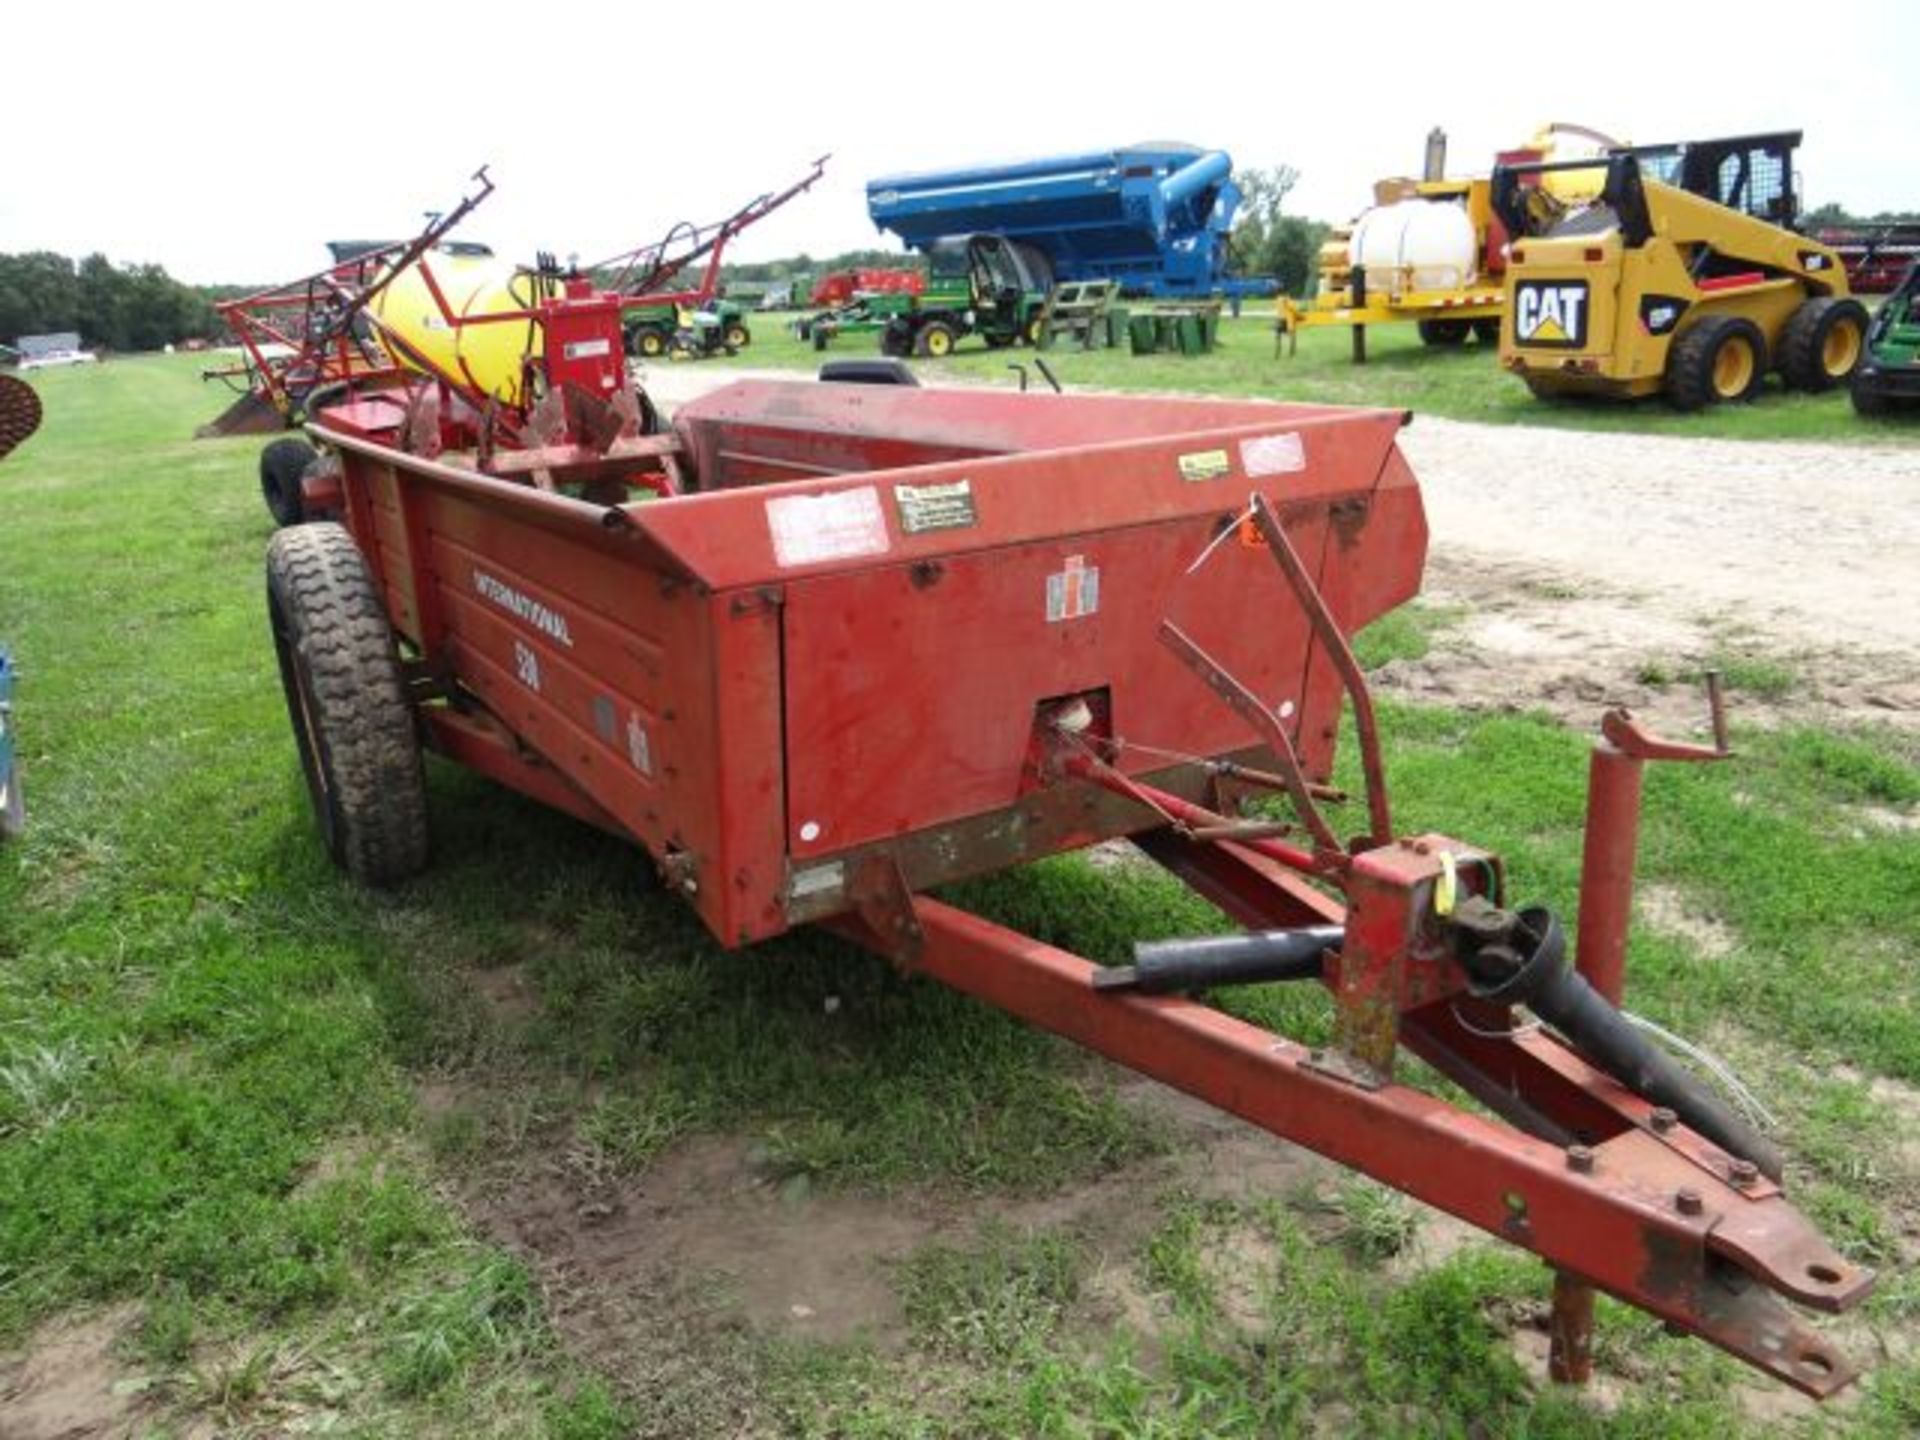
(1273, 454)
(808, 529)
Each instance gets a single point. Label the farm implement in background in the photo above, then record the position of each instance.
(332, 334)
(690, 320)
(446, 344)
(820, 649)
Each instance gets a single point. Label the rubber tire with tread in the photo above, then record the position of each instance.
(1804, 336)
(1870, 401)
(649, 342)
(1445, 334)
(355, 731)
(1688, 383)
(924, 341)
(282, 464)
(738, 337)
(1487, 331)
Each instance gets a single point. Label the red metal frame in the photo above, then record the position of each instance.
(899, 637)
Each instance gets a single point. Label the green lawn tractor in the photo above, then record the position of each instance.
(1889, 375)
(982, 285)
(715, 328)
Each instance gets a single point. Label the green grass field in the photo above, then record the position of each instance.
(1462, 384)
(263, 1128)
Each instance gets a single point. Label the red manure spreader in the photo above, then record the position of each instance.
(819, 649)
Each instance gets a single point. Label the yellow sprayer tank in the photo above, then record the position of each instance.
(494, 355)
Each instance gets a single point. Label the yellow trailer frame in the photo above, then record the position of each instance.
(1475, 302)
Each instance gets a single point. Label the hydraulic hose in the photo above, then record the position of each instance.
(1529, 967)
(1162, 966)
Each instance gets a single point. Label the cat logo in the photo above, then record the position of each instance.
(1550, 312)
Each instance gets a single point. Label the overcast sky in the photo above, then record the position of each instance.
(229, 142)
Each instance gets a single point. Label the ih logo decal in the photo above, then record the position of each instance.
(1550, 312)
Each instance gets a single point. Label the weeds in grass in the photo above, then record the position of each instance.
(1000, 1297)
(490, 1312)
(40, 1084)
(1380, 1223)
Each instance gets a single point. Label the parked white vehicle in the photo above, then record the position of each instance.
(49, 358)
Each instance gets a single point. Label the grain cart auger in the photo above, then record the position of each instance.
(874, 639)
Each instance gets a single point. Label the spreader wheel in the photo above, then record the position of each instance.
(282, 464)
(351, 720)
(1722, 358)
(1822, 343)
(19, 412)
(1444, 333)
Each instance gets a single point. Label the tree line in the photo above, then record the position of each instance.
(133, 307)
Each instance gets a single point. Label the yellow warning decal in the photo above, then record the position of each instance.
(1204, 465)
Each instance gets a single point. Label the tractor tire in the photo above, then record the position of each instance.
(282, 464)
(1869, 400)
(1445, 334)
(649, 343)
(1822, 342)
(1034, 331)
(1487, 332)
(359, 749)
(1720, 359)
(896, 342)
(935, 340)
(738, 337)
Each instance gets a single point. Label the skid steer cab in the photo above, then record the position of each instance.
(1680, 278)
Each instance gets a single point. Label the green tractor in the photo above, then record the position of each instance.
(1889, 375)
(717, 327)
(983, 285)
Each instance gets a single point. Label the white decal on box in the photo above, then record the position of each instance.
(1273, 454)
(524, 607)
(1074, 590)
(587, 349)
(840, 525)
(526, 665)
(639, 748)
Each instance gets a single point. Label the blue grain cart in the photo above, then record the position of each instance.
(1154, 217)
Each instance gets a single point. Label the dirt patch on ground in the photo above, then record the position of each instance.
(1806, 542)
(66, 1383)
(1529, 638)
(1670, 910)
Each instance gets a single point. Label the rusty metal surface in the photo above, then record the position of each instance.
(1327, 631)
(1642, 1221)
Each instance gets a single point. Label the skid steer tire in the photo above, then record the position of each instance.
(1719, 359)
(1444, 333)
(282, 464)
(354, 729)
(1822, 343)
